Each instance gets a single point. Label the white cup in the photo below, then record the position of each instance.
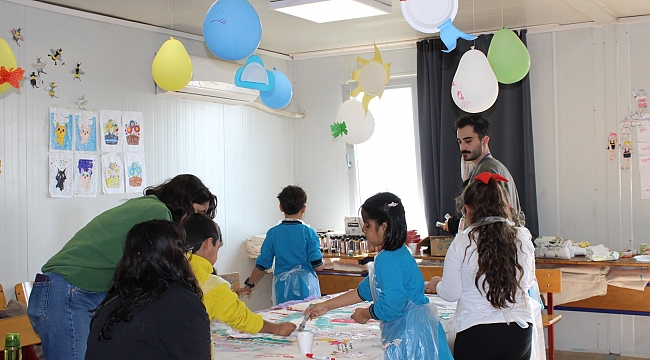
(305, 341)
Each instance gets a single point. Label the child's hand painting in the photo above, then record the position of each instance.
(285, 328)
(360, 315)
(317, 310)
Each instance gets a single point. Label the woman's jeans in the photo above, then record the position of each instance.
(60, 314)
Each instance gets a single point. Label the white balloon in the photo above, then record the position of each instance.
(475, 87)
(360, 125)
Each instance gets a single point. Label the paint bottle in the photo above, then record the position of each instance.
(12, 347)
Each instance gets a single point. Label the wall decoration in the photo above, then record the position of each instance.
(339, 129)
(12, 77)
(643, 128)
(474, 88)
(85, 135)
(508, 57)
(172, 66)
(39, 66)
(645, 184)
(60, 129)
(253, 75)
(280, 95)
(112, 174)
(232, 29)
(82, 102)
(371, 78)
(627, 154)
(612, 141)
(16, 34)
(87, 171)
(52, 90)
(641, 98)
(57, 56)
(78, 72)
(132, 131)
(359, 123)
(134, 172)
(110, 123)
(32, 80)
(60, 175)
(9, 76)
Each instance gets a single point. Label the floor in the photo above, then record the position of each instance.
(568, 355)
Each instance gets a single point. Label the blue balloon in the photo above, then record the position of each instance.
(232, 30)
(280, 95)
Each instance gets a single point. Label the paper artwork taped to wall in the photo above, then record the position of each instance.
(612, 141)
(132, 131)
(85, 136)
(112, 174)
(60, 129)
(110, 123)
(134, 171)
(16, 33)
(643, 129)
(627, 154)
(644, 155)
(641, 98)
(60, 175)
(86, 173)
(645, 184)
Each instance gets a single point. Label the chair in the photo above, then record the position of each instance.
(23, 290)
(3, 299)
(550, 281)
(233, 279)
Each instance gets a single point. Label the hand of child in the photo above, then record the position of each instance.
(318, 310)
(359, 315)
(285, 328)
(431, 285)
(244, 290)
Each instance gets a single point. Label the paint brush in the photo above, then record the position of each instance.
(304, 320)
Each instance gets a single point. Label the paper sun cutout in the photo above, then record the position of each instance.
(338, 129)
(372, 78)
(253, 75)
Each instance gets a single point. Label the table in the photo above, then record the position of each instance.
(336, 334)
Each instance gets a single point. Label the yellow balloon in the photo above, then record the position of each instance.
(172, 67)
(8, 60)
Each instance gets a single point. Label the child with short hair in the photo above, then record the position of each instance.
(221, 303)
(409, 324)
(296, 250)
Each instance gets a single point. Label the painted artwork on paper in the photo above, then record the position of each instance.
(110, 123)
(85, 126)
(112, 174)
(133, 131)
(60, 129)
(134, 172)
(60, 175)
(85, 175)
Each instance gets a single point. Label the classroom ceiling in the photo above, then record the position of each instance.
(290, 35)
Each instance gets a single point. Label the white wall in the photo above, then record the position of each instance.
(244, 156)
(581, 82)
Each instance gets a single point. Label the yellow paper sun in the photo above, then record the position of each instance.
(372, 78)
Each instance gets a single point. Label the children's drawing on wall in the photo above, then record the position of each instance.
(85, 131)
(86, 175)
(16, 33)
(78, 72)
(645, 184)
(627, 154)
(112, 174)
(57, 56)
(612, 142)
(60, 129)
(643, 150)
(60, 174)
(135, 172)
(52, 90)
(39, 66)
(133, 131)
(642, 129)
(640, 96)
(82, 102)
(110, 124)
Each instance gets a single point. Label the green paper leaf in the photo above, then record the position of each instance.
(338, 129)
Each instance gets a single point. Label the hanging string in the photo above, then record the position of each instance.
(502, 14)
(473, 23)
(171, 16)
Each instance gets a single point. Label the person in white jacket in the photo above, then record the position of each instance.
(489, 268)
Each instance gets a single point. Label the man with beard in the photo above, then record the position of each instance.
(473, 134)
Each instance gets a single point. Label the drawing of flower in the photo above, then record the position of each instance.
(135, 174)
(132, 133)
(111, 130)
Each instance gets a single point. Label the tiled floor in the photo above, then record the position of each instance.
(568, 355)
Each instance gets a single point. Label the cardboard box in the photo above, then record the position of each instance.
(438, 245)
(353, 225)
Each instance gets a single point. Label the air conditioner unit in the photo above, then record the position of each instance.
(213, 81)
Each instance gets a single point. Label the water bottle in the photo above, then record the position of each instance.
(12, 347)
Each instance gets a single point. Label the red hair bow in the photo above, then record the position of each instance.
(11, 76)
(484, 177)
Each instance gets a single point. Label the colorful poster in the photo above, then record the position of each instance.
(133, 131)
(134, 171)
(85, 175)
(85, 131)
(110, 123)
(60, 175)
(112, 174)
(60, 129)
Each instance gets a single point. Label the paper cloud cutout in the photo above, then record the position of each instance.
(253, 75)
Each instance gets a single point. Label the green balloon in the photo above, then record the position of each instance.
(508, 57)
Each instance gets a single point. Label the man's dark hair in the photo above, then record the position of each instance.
(292, 199)
(481, 126)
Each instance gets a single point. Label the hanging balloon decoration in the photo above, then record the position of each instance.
(508, 57)
(232, 29)
(474, 88)
(280, 95)
(253, 75)
(10, 73)
(359, 124)
(372, 78)
(172, 67)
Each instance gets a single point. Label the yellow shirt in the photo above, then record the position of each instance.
(220, 302)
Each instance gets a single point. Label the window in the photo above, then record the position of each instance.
(388, 161)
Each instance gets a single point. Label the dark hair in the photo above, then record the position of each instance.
(199, 227)
(481, 126)
(154, 259)
(496, 243)
(292, 199)
(181, 192)
(387, 208)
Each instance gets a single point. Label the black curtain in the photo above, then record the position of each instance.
(511, 138)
